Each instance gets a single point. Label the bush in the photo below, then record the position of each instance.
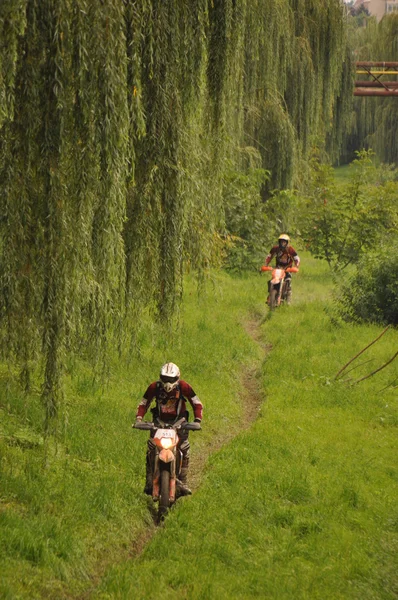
(341, 224)
(252, 225)
(245, 219)
(371, 295)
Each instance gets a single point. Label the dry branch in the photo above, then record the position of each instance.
(377, 370)
(359, 365)
(361, 352)
(389, 385)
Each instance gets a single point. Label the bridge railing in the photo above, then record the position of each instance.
(375, 84)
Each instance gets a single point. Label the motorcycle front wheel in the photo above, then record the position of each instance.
(164, 500)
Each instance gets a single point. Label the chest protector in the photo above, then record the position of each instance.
(283, 258)
(169, 404)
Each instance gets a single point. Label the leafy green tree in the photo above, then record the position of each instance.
(361, 15)
(341, 224)
(245, 218)
(371, 295)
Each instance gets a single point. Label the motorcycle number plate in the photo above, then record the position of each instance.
(165, 433)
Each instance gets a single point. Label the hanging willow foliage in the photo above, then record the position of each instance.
(12, 25)
(171, 48)
(375, 120)
(63, 180)
(118, 124)
(296, 80)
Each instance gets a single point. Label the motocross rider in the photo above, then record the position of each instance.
(285, 256)
(170, 393)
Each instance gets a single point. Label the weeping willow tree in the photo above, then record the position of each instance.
(118, 124)
(375, 120)
(292, 76)
(12, 24)
(63, 175)
(165, 69)
(175, 198)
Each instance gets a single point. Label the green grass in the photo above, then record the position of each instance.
(301, 505)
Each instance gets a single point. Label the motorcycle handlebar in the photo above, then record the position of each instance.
(184, 425)
(192, 426)
(288, 270)
(141, 425)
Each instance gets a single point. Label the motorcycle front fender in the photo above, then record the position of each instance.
(166, 456)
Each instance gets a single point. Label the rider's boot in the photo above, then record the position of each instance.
(148, 483)
(289, 292)
(183, 488)
(148, 477)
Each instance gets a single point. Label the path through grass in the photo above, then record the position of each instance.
(302, 504)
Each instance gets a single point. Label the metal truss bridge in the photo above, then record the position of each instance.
(375, 83)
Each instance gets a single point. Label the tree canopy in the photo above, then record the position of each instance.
(375, 119)
(119, 123)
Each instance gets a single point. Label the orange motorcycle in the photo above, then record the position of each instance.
(167, 460)
(279, 285)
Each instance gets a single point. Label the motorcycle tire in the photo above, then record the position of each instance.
(273, 302)
(164, 500)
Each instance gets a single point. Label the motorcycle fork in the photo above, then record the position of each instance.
(279, 296)
(173, 477)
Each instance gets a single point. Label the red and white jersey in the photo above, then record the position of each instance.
(170, 404)
(284, 257)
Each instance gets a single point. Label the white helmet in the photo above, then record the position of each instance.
(284, 237)
(169, 376)
(283, 241)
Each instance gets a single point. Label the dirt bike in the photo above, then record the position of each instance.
(167, 460)
(279, 287)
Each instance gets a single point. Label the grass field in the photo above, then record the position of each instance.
(303, 504)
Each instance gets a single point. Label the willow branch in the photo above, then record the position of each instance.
(361, 352)
(377, 370)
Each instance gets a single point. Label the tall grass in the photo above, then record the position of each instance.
(301, 505)
(69, 507)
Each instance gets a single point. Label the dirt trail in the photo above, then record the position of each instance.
(251, 397)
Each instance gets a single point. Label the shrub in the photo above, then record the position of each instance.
(245, 219)
(371, 294)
